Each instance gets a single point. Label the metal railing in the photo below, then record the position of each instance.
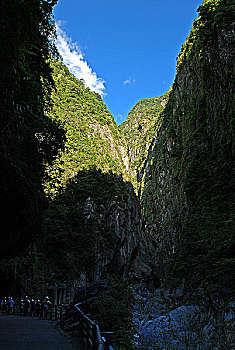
(54, 312)
(90, 331)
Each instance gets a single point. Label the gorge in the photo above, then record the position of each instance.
(149, 203)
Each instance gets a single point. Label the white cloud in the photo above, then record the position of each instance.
(74, 60)
(129, 81)
(120, 118)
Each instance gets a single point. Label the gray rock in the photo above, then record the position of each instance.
(173, 330)
(162, 325)
(165, 333)
(185, 316)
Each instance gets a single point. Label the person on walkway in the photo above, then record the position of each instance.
(38, 308)
(2, 303)
(46, 306)
(5, 306)
(33, 307)
(21, 307)
(8, 305)
(11, 306)
(27, 306)
(2, 306)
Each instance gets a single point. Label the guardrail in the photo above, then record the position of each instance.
(90, 331)
(54, 312)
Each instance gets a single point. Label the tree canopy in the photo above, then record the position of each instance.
(29, 138)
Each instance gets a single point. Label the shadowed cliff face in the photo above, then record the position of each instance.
(29, 139)
(95, 226)
(92, 222)
(188, 198)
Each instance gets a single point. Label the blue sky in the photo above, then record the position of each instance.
(124, 49)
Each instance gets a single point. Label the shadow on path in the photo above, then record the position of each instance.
(28, 333)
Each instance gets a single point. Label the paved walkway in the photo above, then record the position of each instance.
(31, 333)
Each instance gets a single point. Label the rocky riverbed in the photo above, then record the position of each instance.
(162, 322)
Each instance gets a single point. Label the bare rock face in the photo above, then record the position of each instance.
(122, 252)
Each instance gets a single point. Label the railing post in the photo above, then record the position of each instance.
(90, 331)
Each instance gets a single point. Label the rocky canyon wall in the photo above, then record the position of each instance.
(188, 199)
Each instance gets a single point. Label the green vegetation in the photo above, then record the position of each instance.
(34, 117)
(190, 187)
(92, 136)
(77, 227)
(141, 127)
(29, 138)
(112, 309)
(181, 154)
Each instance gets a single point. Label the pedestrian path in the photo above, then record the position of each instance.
(32, 333)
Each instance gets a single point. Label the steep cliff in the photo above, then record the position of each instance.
(93, 219)
(92, 136)
(94, 226)
(140, 128)
(188, 198)
(29, 139)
